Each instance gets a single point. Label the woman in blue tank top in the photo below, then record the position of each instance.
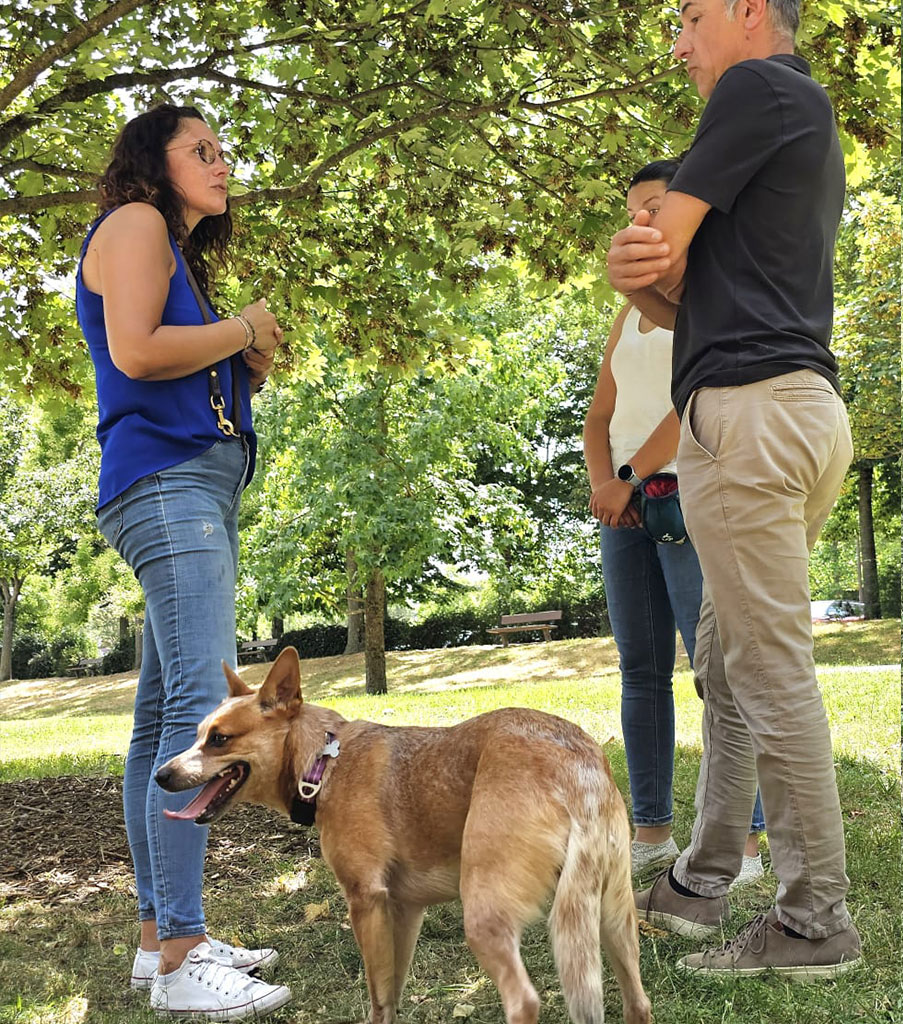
(177, 449)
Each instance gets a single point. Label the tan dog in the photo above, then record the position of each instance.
(504, 810)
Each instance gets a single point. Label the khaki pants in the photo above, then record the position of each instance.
(760, 467)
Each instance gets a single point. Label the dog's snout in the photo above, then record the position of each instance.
(163, 776)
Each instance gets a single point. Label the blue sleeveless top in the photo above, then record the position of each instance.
(145, 426)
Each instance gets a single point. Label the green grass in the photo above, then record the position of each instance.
(63, 960)
(60, 726)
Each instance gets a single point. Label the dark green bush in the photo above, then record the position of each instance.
(36, 658)
(455, 628)
(28, 648)
(121, 658)
(398, 634)
(317, 641)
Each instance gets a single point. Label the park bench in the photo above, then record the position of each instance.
(255, 650)
(85, 667)
(524, 621)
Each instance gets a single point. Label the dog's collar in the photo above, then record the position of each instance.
(304, 805)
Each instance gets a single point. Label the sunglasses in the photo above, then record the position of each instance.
(206, 151)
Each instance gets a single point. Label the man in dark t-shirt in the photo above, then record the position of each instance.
(740, 265)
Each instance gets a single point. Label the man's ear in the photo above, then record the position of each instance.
(237, 686)
(282, 686)
(753, 12)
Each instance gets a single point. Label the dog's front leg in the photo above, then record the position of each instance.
(371, 919)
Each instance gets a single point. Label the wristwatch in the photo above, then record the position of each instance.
(627, 474)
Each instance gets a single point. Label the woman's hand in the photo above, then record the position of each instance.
(611, 504)
(259, 363)
(265, 328)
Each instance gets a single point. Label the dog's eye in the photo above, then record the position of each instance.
(217, 739)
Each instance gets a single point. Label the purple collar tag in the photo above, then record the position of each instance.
(310, 785)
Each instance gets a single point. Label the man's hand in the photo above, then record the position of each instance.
(637, 256)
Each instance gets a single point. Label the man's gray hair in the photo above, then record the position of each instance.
(785, 15)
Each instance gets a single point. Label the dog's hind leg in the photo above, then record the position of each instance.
(621, 941)
(512, 845)
(495, 941)
(406, 921)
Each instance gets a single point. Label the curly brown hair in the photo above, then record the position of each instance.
(137, 174)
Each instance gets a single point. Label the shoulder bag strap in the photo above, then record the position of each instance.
(217, 402)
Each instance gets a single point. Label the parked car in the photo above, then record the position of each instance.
(840, 610)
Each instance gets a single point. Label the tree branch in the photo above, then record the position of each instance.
(462, 112)
(86, 30)
(54, 169)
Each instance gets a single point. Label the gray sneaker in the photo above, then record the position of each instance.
(751, 870)
(697, 917)
(763, 945)
(646, 856)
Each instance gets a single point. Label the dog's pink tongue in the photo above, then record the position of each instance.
(201, 802)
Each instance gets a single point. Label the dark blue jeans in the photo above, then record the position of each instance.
(651, 589)
(178, 531)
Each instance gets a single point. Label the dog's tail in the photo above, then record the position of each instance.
(594, 903)
(574, 923)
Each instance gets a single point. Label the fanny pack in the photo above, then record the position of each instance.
(660, 509)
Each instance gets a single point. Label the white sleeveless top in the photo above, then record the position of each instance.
(641, 366)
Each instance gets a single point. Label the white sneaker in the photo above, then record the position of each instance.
(204, 988)
(248, 961)
(751, 870)
(645, 856)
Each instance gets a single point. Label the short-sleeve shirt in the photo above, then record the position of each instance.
(759, 290)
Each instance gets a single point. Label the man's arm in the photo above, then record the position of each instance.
(644, 259)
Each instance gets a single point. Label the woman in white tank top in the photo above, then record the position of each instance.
(631, 432)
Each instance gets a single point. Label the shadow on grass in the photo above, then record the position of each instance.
(855, 643)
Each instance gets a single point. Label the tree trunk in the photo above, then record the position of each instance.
(139, 642)
(10, 589)
(374, 633)
(869, 594)
(278, 627)
(354, 616)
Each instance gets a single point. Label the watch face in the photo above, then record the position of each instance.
(625, 472)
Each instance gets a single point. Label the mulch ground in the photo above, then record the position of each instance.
(63, 839)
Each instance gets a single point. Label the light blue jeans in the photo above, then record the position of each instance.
(650, 588)
(178, 531)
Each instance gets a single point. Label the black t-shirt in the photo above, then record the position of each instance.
(759, 288)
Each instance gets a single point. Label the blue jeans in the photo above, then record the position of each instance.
(178, 531)
(651, 588)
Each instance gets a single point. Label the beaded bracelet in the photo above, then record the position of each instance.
(250, 333)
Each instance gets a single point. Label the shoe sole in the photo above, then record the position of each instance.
(255, 1009)
(801, 975)
(679, 925)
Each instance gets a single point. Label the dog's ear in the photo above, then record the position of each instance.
(237, 686)
(282, 686)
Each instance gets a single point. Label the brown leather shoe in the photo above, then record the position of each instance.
(698, 917)
(763, 945)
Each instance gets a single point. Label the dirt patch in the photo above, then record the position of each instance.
(64, 839)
